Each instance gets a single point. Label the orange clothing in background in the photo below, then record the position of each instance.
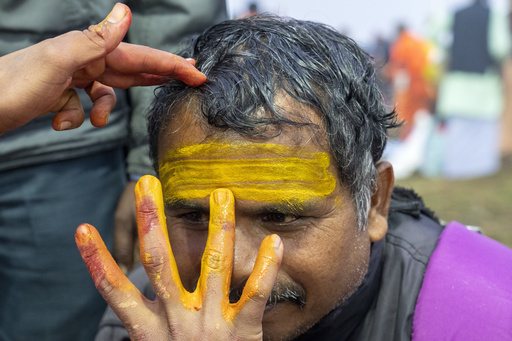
(408, 64)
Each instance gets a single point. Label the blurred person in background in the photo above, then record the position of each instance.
(470, 98)
(411, 70)
(252, 10)
(380, 54)
(408, 66)
(506, 122)
(52, 181)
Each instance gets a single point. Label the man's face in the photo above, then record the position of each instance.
(287, 185)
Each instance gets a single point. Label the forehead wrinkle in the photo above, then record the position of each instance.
(182, 116)
(240, 150)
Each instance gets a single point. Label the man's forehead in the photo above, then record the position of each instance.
(190, 126)
(292, 167)
(253, 171)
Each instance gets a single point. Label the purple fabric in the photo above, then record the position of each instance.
(467, 289)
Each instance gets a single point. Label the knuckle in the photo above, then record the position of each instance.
(96, 34)
(214, 259)
(149, 215)
(147, 210)
(221, 220)
(104, 286)
(178, 332)
(153, 260)
(269, 260)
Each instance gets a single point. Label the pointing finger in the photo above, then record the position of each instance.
(132, 60)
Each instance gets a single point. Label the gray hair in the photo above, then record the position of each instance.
(248, 62)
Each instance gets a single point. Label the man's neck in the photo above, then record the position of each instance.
(344, 321)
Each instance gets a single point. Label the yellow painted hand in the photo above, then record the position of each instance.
(204, 314)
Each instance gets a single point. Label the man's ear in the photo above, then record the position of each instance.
(378, 216)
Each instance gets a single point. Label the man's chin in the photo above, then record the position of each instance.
(282, 321)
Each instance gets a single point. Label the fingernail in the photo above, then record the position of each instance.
(65, 125)
(118, 13)
(277, 241)
(278, 248)
(83, 233)
(220, 196)
(148, 185)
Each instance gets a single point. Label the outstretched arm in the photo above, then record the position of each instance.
(40, 79)
(204, 314)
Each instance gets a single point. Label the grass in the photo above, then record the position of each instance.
(485, 202)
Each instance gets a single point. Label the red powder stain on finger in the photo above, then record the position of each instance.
(91, 252)
(149, 202)
(147, 214)
(96, 257)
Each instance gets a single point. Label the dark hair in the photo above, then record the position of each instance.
(250, 61)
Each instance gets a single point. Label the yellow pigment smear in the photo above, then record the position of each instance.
(252, 171)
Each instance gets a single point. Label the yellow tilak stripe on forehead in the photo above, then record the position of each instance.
(194, 171)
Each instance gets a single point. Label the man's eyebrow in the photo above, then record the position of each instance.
(286, 207)
(291, 208)
(182, 204)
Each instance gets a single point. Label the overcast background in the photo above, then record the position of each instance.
(360, 19)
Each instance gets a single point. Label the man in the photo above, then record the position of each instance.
(409, 60)
(470, 100)
(285, 137)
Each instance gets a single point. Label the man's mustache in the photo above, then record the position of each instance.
(281, 293)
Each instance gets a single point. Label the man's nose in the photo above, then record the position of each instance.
(246, 248)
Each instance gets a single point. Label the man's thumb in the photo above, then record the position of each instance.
(114, 27)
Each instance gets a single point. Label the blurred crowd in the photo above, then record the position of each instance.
(451, 87)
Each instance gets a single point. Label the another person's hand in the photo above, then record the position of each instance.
(205, 314)
(125, 229)
(40, 79)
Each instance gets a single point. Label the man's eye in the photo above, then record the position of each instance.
(195, 217)
(279, 218)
